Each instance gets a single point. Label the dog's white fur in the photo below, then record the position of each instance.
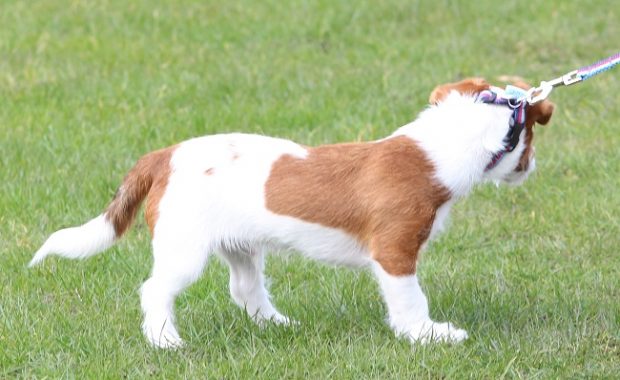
(226, 213)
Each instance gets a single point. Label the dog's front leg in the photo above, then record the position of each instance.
(408, 309)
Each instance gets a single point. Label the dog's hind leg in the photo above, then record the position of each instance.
(177, 264)
(247, 284)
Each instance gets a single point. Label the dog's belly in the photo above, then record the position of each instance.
(216, 193)
(315, 241)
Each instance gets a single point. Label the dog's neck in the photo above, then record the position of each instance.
(461, 136)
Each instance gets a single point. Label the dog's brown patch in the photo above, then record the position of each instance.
(467, 86)
(383, 193)
(209, 171)
(148, 176)
(160, 182)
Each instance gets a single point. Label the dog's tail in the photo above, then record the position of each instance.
(103, 231)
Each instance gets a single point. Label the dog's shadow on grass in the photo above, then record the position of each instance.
(491, 306)
(332, 305)
(335, 305)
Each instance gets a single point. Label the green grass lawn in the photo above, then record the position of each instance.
(87, 87)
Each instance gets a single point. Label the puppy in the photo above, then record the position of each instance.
(372, 204)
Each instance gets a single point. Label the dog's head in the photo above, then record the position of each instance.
(539, 113)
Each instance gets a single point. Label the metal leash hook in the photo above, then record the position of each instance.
(540, 93)
(537, 94)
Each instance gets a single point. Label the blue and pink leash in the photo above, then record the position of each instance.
(517, 99)
(540, 93)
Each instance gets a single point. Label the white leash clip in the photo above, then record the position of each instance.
(540, 93)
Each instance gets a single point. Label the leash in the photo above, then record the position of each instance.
(516, 99)
(540, 93)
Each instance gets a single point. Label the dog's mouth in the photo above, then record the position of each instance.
(525, 167)
(527, 157)
(517, 178)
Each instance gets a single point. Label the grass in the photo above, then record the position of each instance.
(87, 87)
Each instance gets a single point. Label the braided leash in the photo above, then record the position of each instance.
(540, 93)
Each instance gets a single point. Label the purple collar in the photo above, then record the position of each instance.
(516, 122)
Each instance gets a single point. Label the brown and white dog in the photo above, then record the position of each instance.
(372, 204)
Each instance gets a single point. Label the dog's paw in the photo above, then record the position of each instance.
(277, 319)
(429, 331)
(162, 336)
(283, 320)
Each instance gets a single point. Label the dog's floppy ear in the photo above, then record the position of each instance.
(540, 112)
(543, 111)
(466, 86)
